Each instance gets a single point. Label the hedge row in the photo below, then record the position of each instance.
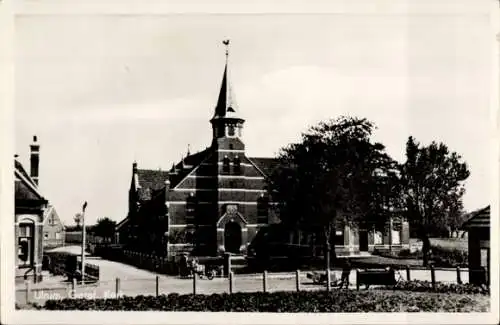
(426, 286)
(337, 301)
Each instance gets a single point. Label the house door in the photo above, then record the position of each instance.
(232, 238)
(363, 240)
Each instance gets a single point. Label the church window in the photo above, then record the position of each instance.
(237, 165)
(231, 131)
(190, 209)
(225, 165)
(262, 209)
(240, 131)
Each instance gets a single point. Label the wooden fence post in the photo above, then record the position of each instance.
(408, 273)
(357, 279)
(73, 288)
(264, 281)
(459, 278)
(157, 285)
(117, 287)
(194, 283)
(230, 282)
(433, 277)
(328, 280)
(28, 291)
(297, 280)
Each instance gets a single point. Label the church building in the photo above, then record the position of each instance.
(211, 202)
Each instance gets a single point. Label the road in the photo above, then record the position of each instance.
(134, 281)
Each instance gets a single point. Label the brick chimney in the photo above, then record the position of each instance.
(34, 160)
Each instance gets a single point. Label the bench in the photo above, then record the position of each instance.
(375, 277)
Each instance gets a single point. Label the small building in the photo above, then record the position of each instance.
(29, 216)
(53, 229)
(478, 228)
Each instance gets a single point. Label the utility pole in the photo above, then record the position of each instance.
(83, 241)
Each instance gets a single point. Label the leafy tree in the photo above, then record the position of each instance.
(104, 228)
(78, 219)
(432, 183)
(335, 174)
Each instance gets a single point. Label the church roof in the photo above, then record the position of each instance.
(151, 182)
(226, 103)
(152, 179)
(266, 165)
(186, 166)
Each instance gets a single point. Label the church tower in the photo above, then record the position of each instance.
(227, 124)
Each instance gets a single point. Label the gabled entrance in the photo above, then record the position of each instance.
(232, 232)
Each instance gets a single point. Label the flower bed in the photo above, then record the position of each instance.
(337, 301)
(426, 286)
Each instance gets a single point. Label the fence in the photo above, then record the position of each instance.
(260, 282)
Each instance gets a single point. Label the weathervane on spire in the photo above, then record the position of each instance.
(226, 43)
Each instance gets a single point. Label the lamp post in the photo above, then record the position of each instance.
(83, 241)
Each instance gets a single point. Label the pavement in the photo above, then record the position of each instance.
(134, 281)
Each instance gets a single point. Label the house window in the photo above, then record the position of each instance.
(262, 210)
(237, 165)
(58, 235)
(190, 208)
(339, 238)
(396, 237)
(225, 165)
(25, 244)
(377, 238)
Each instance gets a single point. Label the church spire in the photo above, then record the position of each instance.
(226, 104)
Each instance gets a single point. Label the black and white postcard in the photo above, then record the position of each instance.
(237, 162)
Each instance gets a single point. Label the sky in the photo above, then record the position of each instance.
(101, 91)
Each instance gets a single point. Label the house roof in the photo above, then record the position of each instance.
(19, 167)
(51, 211)
(478, 219)
(266, 165)
(25, 187)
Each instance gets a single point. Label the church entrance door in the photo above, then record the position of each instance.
(232, 237)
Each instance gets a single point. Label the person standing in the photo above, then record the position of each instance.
(346, 271)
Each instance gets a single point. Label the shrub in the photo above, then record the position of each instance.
(449, 257)
(305, 301)
(426, 286)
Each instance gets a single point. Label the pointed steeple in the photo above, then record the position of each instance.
(226, 104)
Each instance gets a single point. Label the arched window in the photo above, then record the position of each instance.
(231, 131)
(191, 209)
(225, 165)
(26, 244)
(237, 165)
(262, 209)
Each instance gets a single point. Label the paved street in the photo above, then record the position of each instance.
(134, 281)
